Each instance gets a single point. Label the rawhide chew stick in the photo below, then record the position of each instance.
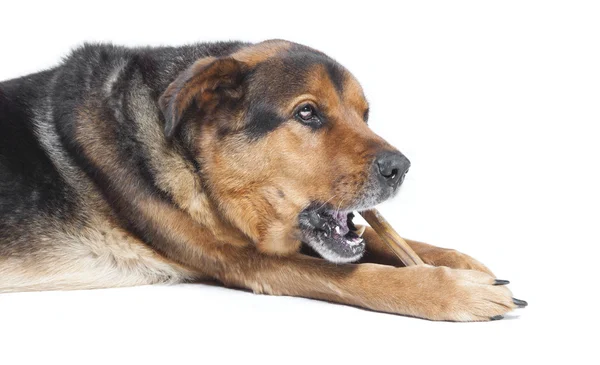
(404, 252)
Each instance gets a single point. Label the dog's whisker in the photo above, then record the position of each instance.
(327, 201)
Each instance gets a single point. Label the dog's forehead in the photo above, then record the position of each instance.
(301, 70)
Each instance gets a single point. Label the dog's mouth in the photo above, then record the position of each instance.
(332, 234)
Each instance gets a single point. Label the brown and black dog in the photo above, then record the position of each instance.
(130, 166)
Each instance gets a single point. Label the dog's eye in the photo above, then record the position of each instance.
(308, 115)
(306, 112)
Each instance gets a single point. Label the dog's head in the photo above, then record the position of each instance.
(280, 133)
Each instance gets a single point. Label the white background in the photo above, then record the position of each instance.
(497, 105)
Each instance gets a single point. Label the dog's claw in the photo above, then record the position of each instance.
(519, 303)
(501, 282)
(496, 318)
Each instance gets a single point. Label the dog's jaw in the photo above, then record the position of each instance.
(331, 234)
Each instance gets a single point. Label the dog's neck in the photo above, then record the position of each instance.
(188, 193)
(177, 174)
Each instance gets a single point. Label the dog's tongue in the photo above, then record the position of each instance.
(332, 223)
(341, 220)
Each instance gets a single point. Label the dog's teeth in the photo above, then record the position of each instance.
(355, 242)
(360, 231)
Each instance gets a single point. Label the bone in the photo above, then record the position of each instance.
(396, 243)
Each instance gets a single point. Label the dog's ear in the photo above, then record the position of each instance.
(207, 82)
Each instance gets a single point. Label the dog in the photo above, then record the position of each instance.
(228, 161)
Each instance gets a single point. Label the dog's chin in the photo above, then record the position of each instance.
(331, 234)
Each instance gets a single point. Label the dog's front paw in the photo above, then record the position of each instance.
(453, 259)
(465, 296)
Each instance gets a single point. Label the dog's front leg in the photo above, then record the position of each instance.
(378, 252)
(437, 293)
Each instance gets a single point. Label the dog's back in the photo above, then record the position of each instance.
(57, 229)
(31, 188)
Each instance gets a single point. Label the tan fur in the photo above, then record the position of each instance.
(96, 256)
(437, 293)
(261, 52)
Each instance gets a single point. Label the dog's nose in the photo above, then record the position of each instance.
(392, 166)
